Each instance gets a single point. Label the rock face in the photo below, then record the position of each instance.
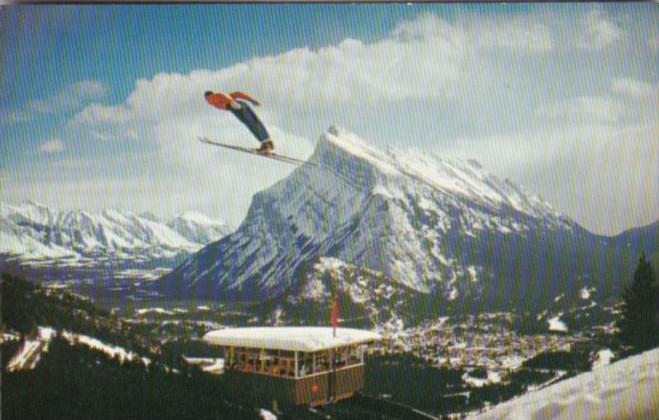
(442, 232)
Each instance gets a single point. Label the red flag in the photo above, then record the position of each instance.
(335, 315)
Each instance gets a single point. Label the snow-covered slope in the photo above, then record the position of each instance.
(628, 389)
(367, 298)
(32, 234)
(29, 354)
(440, 227)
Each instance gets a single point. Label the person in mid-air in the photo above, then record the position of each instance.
(238, 104)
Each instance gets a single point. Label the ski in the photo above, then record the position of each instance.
(269, 155)
(277, 157)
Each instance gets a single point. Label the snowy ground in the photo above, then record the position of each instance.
(29, 354)
(628, 389)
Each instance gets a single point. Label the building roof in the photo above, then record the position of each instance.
(290, 338)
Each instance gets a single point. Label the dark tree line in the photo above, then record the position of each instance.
(639, 325)
(76, 382)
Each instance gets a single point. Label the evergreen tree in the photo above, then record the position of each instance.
(639, 326)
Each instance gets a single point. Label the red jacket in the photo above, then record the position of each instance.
(222, 100)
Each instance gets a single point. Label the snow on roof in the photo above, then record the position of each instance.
(290, 338)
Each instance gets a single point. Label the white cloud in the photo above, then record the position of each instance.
(424, 58)
(353, 73)
(52, 146)
(599, 31)
(14, 116)
(603, 176)
(72, 96)
(584, 109)
(518, 34)
(97, 114)
(106, 123)
(634, 88)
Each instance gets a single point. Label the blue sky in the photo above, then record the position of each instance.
(101, 105)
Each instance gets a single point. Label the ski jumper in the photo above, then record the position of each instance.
(237, 104)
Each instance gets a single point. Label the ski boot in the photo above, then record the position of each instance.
(267, 147)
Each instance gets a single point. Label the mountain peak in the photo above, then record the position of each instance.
(337, 145)
(352, 158)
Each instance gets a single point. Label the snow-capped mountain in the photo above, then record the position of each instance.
(32, 234)
(445, 229)
(198, 228)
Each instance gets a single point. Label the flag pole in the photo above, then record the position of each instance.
(335, 306)
(335, 315)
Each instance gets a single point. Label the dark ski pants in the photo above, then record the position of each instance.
(248, 117)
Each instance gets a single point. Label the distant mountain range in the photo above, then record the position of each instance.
(83, 245)
(441, 235)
